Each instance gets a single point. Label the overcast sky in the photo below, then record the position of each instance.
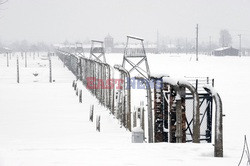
(58, 20)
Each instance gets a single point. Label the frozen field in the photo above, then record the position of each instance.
(43, 124)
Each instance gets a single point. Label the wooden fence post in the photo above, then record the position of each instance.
(25, 59)
(7, 59)
(134, 119)
(98, 123)
(50, 68)
(76, 91)
(91, 114)
(17, 64)
(80, 96)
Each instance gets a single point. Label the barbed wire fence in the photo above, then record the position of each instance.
(97, 77)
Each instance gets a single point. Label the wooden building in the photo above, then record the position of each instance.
(226, 51)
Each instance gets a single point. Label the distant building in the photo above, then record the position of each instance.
(4, 50)
(226, 51)
(109, 43)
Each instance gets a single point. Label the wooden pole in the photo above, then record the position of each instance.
(240, 45)
(197, 33)
(7, 59)
(210, 45)
(17, 60)
(25, 59)
(186, 46)
(50, 69)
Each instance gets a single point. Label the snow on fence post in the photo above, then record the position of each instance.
(150, 116)
(98, 123)
(17, 64)
(218, 141)
(80, 96)
(196, 109)
(173, 83)
(128, 103)
(91, 114)
(178, 117)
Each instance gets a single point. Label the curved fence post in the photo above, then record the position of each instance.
(150, 114)
(196, 110)
(124, 71)
(176, 87)
(218, 145)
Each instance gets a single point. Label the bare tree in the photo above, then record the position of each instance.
(225, 38)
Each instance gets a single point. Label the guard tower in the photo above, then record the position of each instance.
(97, 51)
(135, 55)
(79, 50)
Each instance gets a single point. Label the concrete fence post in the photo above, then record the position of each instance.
(98, 123)
(218, 138)
(91, 113)
(196, 109)
(80, 96)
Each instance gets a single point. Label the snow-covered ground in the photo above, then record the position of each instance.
(43, 124)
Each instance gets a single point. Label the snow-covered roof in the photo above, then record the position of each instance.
(222, 48)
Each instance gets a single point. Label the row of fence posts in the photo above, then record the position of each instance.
(98, 118)
(90, 71)
(9, 55)
(23, 55)
(86, 68)
(100, 74)
(91, 114)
